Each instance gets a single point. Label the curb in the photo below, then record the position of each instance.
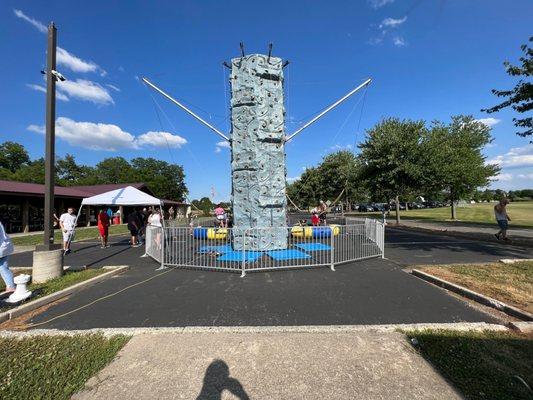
(478, 237)
(480, 298)
(32, 305)
(461, 326)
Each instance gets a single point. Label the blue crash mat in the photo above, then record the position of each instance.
(219, 249)
(289, 254)
(249, 256)
(313, 246)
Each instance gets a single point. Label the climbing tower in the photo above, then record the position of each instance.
(258, 153)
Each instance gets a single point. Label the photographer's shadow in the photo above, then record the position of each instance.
(217, 380)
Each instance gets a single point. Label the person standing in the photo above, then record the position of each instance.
(134, 224)
(322, 211)
(6, 249)
(171, 213)
(502, 218)
(220, 215)
(156, 220)
(103, 228)
(109, 213)
(67, 222)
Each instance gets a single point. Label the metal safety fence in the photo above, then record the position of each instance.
(238, 250)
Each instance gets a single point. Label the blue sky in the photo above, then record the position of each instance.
(428, 60)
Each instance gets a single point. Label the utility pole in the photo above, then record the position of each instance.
(48, 257)
(49, 163)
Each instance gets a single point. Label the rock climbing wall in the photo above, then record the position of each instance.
(258, 154)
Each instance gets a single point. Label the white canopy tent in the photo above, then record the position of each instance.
(127, 196)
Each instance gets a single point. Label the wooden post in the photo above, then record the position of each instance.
(26, 216)
(121, 210)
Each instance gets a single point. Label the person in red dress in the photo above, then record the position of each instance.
(103, 227)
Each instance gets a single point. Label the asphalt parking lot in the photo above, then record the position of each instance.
(374, 291)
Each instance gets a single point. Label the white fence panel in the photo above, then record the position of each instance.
(213, 248)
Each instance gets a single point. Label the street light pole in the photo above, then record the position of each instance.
(49, 163)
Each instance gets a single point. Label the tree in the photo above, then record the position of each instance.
(114, 170)
(205, 204)
(454, 159)
(520, 98)
(337, 175)
(391, 159)
(167, 181)
(69, 173)
(13, 156)
(33, 172)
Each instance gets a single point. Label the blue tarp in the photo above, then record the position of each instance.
(289, 254)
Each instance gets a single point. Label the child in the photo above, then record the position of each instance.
(315, 219)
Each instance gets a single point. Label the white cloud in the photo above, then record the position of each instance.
(515, 157)
(504, 177)
(74, 63)
(39, 88)
(63, 57)
(222, 145)
(116, 89)
(86, 90)
(398, 41)
(39, 25)
(107, 137)
(290, 180)
(489, 121)
(375, 4)
(375, 41)
(36, 128)
(160, 139)
(340, 147)
(526, 176)
(392, 22)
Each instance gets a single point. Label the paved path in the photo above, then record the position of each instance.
(211, 366)
(373, 291)
(522, 236)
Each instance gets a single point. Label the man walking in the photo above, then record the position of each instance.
(502, 218)
(67, 222)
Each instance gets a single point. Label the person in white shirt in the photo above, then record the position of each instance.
(67, 221)
(6, 248)
(155, 220)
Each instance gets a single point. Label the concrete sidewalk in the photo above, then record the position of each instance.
(269, 365)
(519, 236)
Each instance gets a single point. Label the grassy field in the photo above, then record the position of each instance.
(510, 283)
(53, 367)
(482, 365)
(53, 285)
(81, 234)
(521, 214)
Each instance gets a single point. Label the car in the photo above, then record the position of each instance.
(365, 208)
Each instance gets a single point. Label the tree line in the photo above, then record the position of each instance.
(400, 160)
(165, 180)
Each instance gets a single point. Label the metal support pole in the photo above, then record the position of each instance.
(331, 107)
(185, 109)
(49, 167)
(332, 249)
(243, 272)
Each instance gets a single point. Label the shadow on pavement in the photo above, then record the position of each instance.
(217, 379)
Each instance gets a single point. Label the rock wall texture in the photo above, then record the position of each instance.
(258, 154)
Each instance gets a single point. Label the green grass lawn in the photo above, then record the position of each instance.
(81, 234)
(510, 283)
(53, 367)
(482, 365)
(53, 285)
(521, 214)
